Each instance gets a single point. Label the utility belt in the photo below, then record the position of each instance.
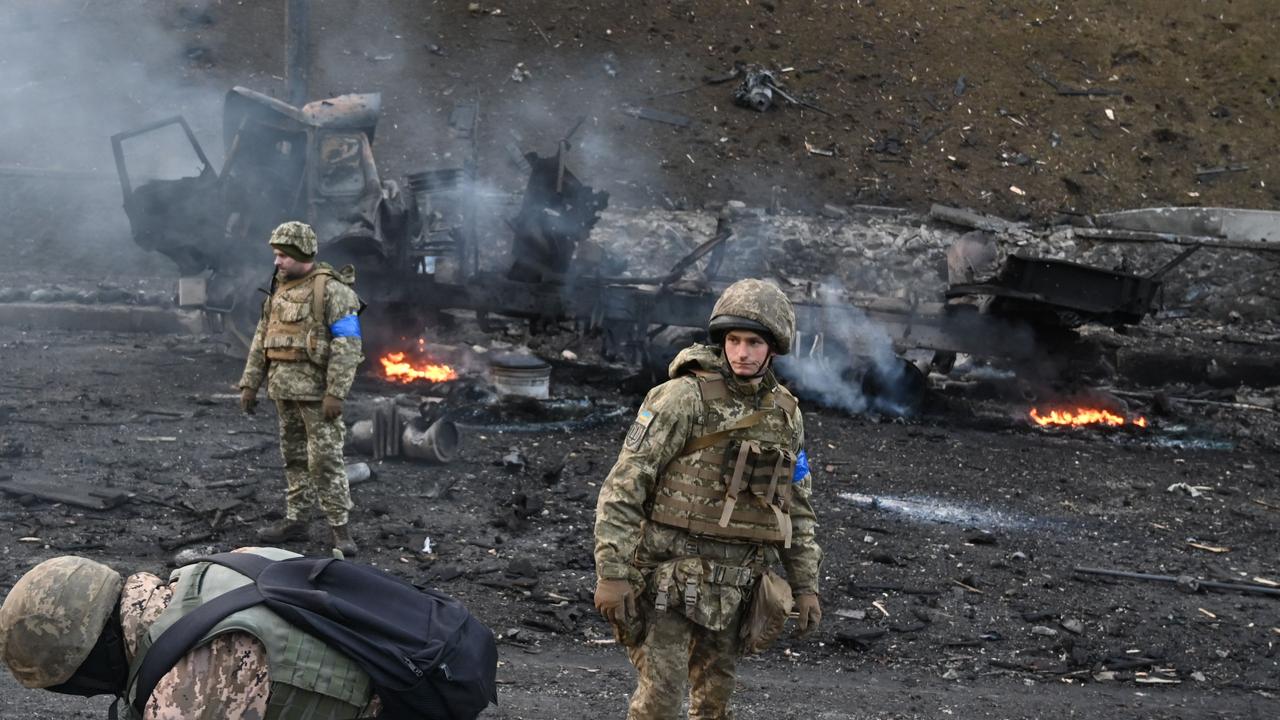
(727, 552)
(706, 592)
(713, 573)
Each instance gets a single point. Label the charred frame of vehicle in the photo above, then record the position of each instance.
(316, 163)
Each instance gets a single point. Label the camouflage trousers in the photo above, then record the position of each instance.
(313, 466)
(676, 651)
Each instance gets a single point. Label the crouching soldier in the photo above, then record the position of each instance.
(75, 626)
(710, 489)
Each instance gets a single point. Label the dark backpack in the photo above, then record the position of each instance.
(426, 655)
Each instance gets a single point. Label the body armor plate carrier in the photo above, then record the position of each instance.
(296, 328)
(735, 481)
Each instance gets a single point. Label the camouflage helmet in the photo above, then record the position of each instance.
(295, 239)
(53, 616)
(758, 306)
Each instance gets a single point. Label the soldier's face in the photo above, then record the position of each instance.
(289, 267)
(746, 351)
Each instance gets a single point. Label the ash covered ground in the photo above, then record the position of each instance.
(950, 538)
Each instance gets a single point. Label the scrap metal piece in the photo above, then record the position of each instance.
(977, 221)
(797, 101)
(558, 212)
(1065, 294)
(89, 497)
(462, 120)
(645, 113)
(1210, 172)
(714, 244)
(756, 89)
(387, 430)
(1233, 224)
(1181, 258)
(1184, 583)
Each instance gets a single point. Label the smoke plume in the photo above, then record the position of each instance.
(848, 357)
(71, 75)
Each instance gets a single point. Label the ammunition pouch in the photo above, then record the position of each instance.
(771, 603)
(708, 593)
(317, 345)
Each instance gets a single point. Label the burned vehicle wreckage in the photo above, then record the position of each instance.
(282, 162)
(418, 252)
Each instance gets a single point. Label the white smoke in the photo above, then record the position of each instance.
(71, 75)
(831, 364)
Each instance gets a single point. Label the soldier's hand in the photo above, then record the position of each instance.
(808, 613)
(248, 400)
(332, 407)
(615, 600)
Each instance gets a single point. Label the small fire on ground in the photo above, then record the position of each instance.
(396, 368)
(1080, 416)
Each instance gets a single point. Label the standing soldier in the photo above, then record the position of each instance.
(711, 489)
(307, 347)
(75, 626)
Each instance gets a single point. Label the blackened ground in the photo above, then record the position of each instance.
(952, 593)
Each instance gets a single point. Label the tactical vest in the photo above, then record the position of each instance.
(296, 327)
(308, 678)
(733, 481)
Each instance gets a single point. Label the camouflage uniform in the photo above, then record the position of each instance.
(303, 371)
(227, 677)
(690, 629)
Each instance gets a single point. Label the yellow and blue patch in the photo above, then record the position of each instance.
(639, 429)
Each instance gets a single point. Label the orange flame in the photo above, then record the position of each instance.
(1085, 416)
(396, 368)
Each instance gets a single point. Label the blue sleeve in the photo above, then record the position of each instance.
(802, 467)
(348, 326)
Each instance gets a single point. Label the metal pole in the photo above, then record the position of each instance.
(472, 170)
(297, 49)
(1192, 583)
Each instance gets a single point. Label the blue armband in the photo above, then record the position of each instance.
(348, 326)
(802, 467)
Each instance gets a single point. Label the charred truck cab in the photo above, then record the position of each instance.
(313, 163)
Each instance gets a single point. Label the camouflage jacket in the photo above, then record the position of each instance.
(306, 380)
(669, 412)
(229, 677)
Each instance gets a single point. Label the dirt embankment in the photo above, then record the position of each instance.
(1022, 110)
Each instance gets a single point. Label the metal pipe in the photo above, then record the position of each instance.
(1193, 583)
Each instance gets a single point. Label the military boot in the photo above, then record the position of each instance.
(283, 529)
(342, 540)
